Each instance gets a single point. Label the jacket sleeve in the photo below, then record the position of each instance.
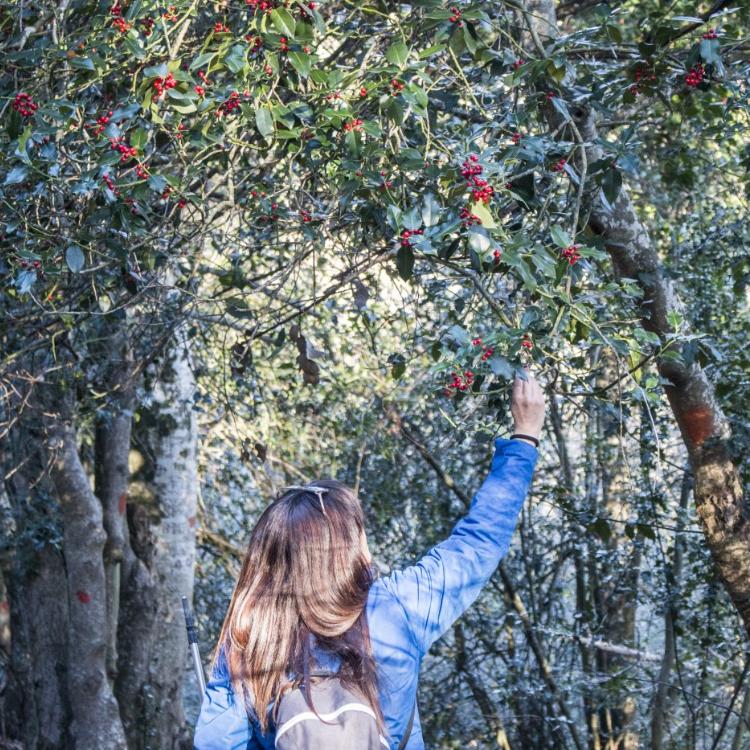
(446, 581)
(223, 723)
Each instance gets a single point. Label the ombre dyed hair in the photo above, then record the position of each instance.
(305, 573)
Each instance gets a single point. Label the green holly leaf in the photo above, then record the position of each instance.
(397, 54)
(405, 262)
(479, 209)
(560, 237)
(430, 210)
(479, 240)
(284, 21)
(74, 258)
(300, 62)
(611, 183)
(264, 121)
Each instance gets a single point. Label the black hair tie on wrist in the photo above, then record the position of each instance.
(528, 437)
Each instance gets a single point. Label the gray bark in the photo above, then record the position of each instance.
(36, 706)
(664, 690)
(96, 721)
(158, 569)
(619, 570)
(112, 448)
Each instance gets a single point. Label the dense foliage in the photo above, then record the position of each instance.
(363, 219)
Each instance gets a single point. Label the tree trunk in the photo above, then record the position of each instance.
(112, 450)
(35, 709)
(702, 423)
(619, 569)
(158, 569)
(664, 691)
(96, 720)
(583, 607)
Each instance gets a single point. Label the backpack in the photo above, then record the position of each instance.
(348, 722)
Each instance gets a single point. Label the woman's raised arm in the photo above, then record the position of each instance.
(447, 580)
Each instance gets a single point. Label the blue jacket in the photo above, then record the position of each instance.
(408, 610)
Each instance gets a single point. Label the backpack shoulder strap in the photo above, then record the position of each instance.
(407, 733)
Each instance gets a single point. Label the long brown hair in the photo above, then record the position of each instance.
(305, 574)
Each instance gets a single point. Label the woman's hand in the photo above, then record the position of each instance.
(527, 406)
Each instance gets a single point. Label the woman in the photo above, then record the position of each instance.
(308, 597)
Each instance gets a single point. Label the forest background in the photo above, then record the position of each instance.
(247, 244)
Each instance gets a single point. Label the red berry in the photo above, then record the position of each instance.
(24, 104)
(571, 253)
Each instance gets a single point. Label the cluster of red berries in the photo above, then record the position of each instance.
(264, 6)
(170, 14)
(166, 193)
(526, 343)
(711, 34)
(518, 63)
(386, 184)
(110, 183)
(468, 218)
(35, 264)
(126, 152)
(200, 90)
(306, 216)
(516, 137)
(642, 73)
(559, 166)
(122, 25)
(116, 9)
(221, 28)
(284, 44)
(486, 350)
(178, 132)
(481, 190)
(181, 203)
(695, 75)
(273, 216)
(470, 168)
(24, 104)
(407, 234)
(355, 124)
(141, 171)
(459, 383)
(148, 25)
(333, 95)
(571, 254)
(162, 84)
(496, 255)
(363, 92)
(229, 106)
(396, 86)
(101, 122)
(456, 17)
